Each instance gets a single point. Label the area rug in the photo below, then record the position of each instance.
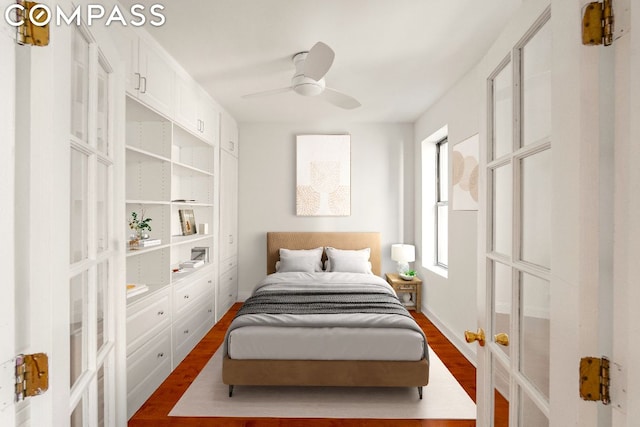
(443, 398)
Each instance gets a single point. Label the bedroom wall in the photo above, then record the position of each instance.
(449, 299)
(382, 188)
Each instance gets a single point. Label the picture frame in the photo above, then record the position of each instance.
(323, 175)
(187, 222)
(465, 170)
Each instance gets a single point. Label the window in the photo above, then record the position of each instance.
(442, 204)
(434, 247)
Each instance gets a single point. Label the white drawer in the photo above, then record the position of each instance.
(228, 264)
(181, 352)
(148, 358)
(141, 392)
(228, 284)
(146, 317)
(189, 293)
(184, 328)
(227, 292)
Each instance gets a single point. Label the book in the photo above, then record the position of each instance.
(187, 221)
(149, 242)
(134, 289)
(192, 264)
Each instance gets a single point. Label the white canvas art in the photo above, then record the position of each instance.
(464, 162)
(323, 185)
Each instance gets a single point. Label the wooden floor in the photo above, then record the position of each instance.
(154, 411)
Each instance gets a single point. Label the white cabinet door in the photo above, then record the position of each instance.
(209, 118)
(187, 103)
(127, 42)
(229, 134)
(228, 205)
(148, 75)
(157, 78)
(194, 109)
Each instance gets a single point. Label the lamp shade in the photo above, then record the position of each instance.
(403, 253)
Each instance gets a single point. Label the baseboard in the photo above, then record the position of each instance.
(462, 346)
(243, 296)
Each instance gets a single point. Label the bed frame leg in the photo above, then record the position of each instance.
(420, 392)
(231, 391)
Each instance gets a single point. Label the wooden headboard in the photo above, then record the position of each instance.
(311, 240)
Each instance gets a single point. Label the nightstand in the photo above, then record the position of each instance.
(410, 287)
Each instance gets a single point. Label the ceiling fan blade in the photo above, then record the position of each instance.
(268, 92)
(340, 99)
(318, 61)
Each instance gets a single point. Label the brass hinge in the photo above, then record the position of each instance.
(33, 30)
(32, 375)
(597, 24)
(594, 379)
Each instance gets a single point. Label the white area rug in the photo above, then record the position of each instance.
(443, 398)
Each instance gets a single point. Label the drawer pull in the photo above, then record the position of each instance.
(186, 331)
(209, 281)
(186, 297)
(160, 355)
(209, 311)
(161, 313)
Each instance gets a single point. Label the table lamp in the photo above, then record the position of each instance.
(403, 255)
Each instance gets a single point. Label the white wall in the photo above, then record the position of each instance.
(382, 188)
(450, 302)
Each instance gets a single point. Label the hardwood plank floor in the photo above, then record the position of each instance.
(154, 411)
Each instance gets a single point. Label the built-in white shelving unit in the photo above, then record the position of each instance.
(168, 169)
(173, 162)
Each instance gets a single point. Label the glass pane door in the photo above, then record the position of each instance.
(91, 282)
(518, 247)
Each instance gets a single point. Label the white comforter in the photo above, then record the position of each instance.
(356, 336)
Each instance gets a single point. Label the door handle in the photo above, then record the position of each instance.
(502, 339)
(475, 336)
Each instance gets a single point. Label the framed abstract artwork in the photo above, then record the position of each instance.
(464, 162)
(323, 175)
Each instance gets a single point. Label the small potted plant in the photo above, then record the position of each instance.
(409, 275)
(140, 225)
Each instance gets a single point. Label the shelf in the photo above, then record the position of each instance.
(190, 169)
(178, 240)
(202, 205)
(152, 290)
(141, 251)
(177, 277)
(147, 202)
(145, 153)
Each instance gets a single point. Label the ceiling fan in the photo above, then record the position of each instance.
(308, 79)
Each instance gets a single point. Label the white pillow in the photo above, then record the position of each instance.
(351, 264)
(316, 253)
(354, 261)
(359, 253)
(306, 264)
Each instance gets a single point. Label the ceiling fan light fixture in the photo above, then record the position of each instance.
(307, 86)
(308, 79)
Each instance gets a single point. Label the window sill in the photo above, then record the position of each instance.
(442, 272)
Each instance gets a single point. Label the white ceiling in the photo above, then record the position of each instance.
(395, 56)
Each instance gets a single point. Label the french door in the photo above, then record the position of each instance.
(69, 259)
(558, 220)
(518, 244)
(92, 255)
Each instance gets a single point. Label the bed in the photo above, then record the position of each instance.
(306, 327)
